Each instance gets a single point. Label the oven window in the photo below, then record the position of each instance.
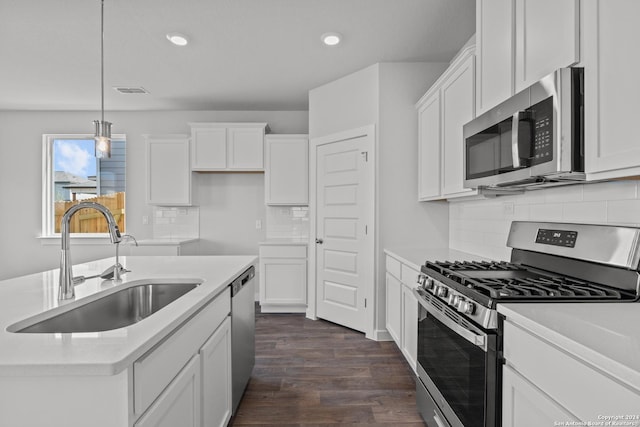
(456, 367)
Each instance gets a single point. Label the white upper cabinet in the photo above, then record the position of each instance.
(287, 170)
(429, 122)
(521, 41)
(227, 146)
(458, 108)
(168, 170)
(547, 38)
(442, 112)
(610, 37)
(494, 52)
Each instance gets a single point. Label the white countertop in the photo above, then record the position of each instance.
(416, 256)
(605, 335)
(109, 352)
(163, 242)
(294, 241)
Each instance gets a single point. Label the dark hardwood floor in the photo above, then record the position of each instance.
(315, 373)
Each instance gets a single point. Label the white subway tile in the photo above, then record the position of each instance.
(623, 212)
(590, 212)
(522, 212)
(546, 212)
(614, 190)
(569, 193)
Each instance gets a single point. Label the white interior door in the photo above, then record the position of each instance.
(344, 231)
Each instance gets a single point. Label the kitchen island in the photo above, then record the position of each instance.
(123, 377)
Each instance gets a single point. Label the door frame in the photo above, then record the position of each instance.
(368, 132)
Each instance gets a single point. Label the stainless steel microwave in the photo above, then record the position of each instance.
(535, 138)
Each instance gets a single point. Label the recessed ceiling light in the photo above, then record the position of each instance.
(177, 39)
(331, 39)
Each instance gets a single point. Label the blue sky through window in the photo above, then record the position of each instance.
(75, 156)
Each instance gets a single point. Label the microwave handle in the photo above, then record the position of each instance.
(515, 153)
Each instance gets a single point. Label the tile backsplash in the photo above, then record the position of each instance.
(287, 222)
(176, 222)
(481, 226)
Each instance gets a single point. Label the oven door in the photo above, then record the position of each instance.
(457, 366)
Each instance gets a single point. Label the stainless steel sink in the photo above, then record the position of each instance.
(115, 310)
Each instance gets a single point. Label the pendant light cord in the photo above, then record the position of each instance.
(102, 56)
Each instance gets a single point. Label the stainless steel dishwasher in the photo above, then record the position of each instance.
(243, 328)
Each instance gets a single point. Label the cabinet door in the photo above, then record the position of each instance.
(209, 148)
(286, 170)
(524, 405)
(429, 122)
(409, 326)
(179, 403)
(215, 357)
(458, 106)
(547, 38)
(245, 147)
(283, 281)
(168, 171)
(394, 308)
(494, 52)
(611, 87)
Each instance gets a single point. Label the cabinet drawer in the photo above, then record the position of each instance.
(283, 251)
(559, 375)
(153, 372)
(409, 276)
(393, 267)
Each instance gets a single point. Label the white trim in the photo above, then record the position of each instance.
(47, 181)
(370, 293)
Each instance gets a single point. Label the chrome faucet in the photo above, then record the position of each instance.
(65, 287)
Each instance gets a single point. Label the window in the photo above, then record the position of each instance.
(72, 173)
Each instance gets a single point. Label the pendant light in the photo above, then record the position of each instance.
(103, 129)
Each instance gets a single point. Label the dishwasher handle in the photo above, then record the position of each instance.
(242, 280)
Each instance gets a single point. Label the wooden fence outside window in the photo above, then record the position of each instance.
(90, 220)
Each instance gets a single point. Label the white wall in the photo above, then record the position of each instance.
(227, 202)
(347, 103)
(481, 226)
(385, 95)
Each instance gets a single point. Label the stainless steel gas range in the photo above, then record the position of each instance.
(459, 330)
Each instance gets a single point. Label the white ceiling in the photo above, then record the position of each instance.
(243, 54)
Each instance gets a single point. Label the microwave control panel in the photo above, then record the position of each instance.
(541, 116)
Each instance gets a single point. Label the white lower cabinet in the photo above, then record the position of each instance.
(543, 383)
(402, 308)
(179, 404)
(283, 278)
(524, 405)
(394, 308)
(409, 326)
(215, 359)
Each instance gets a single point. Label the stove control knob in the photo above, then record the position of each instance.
(422, 279)
(454, 300)
(429, 283)
(466, 307)
(442, 292)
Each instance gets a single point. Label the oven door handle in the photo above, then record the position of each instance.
(471, 336)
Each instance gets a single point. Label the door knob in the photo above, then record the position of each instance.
(319, 241)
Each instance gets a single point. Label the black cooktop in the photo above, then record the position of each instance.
(500, 280)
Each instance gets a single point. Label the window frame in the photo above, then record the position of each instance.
(48, 212)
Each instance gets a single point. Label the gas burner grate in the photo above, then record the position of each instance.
(543, 288)
(501, 280)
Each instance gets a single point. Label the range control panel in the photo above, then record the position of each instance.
(564, 238)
